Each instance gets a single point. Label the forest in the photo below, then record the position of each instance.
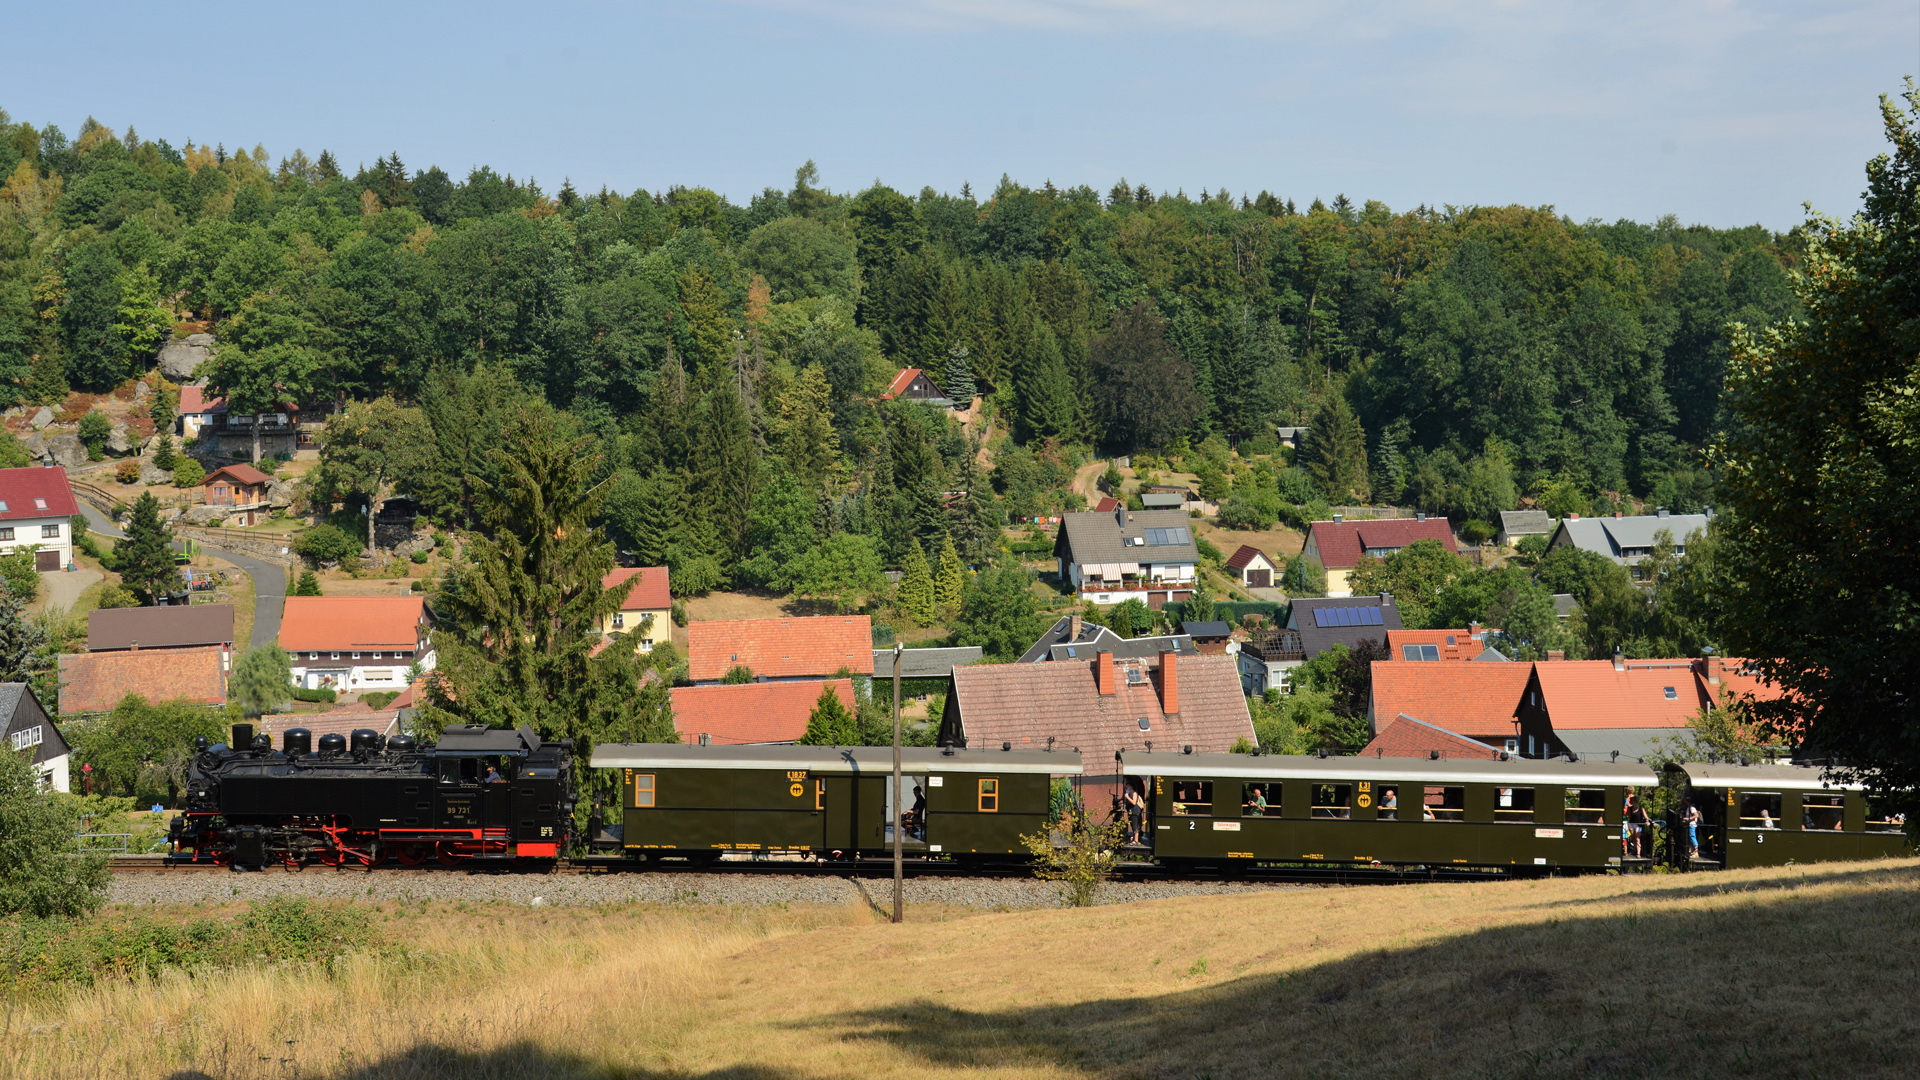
(726, 361)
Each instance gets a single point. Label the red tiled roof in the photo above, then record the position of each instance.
(193, 399)
(900, 384)
(761, 712)
(1404, 736)
(35, 493)
(649, 593)
(321, 623)
(1342, 543)
(342, 721)
(1107, 505)
(1245, 556)
(1737, 680)
(1025, 703)
(1453, 644)
(780, 648)
(245, 474)
(1477, 701)
(1587, 694)
(96, 682)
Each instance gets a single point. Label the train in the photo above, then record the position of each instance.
(478, 797)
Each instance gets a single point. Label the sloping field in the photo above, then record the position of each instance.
(1803, 971)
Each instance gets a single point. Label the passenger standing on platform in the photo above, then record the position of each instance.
(1690, 817)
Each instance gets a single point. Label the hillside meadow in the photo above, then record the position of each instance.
(1799, 971)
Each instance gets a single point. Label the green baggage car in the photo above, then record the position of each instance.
(700, 803)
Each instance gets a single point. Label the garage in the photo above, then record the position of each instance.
(1259, 579)
(46, 560)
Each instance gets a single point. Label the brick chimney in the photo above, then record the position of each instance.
(1473, 631)
(1170, 682)
(1619, 659)
(1714, 667)
(1073, 629)
(1556, 654)
(1103, 674)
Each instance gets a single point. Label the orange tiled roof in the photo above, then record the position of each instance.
(1474, 700)
(780, 648)
(1024, 703)
(322, 623)
(900, 383)
(1453, 644)
(649, 593)
(1590, 694)
(96, 682)
(1404, 736)
(761, 712)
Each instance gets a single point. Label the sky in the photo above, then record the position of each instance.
(1721, 112)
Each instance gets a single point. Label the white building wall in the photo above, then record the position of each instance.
(32, 532)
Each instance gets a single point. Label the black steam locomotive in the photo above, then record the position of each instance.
(476, 795)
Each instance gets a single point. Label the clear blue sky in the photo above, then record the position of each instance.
(1723, 112)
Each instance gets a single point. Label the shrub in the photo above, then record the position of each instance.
(301, 693)
(127, 472)
(308, 585)
(1078, 854)
(39, 873)
(419, 558)
(188, 473)
(1477, 532)
(18, 573)
(327, 543)
(113, 595)
(94, 430)
(380, 699)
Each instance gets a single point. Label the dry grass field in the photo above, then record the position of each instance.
(1802, 971)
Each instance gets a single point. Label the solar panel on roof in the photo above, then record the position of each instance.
(1373, 616)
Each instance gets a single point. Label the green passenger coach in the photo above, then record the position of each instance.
(1229, 810)
(1769, 815)
(700, 803)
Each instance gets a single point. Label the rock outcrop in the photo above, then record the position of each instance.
(180, 356)
(42, 418)
(280, 494)
(119, 441)
(63, 446)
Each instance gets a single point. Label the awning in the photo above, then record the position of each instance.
(1126, 568)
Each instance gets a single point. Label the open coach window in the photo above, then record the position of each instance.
(1514, 804)
(1446, 804)
(1389, 802)
(1759, 809)
(1260, 800)
(1823, 811)
(1332, 800)
(1193, 798)
(1586, 805)
(1883, 815)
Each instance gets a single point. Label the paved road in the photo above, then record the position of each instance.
(269, 579)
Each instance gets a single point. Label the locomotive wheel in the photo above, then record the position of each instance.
(448, 856)
(410, 855)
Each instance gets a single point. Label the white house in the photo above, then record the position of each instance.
(354, 644)
(1146, 555)
(28, 730)
(36, 511)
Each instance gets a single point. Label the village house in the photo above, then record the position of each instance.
(1406, 736)
(913, 384)
(94, 682)
(1628, 541)
(780, 649)
(1339, 544)
(1517, 525)
(1146, 555)
(181, 626)
(1211, 637)
(28, 728)
(239, 489)
(1251, 567)
(36, 511)
(1472, 701)
(1100, 706)
(1072, 637)
(355, 643)
(1440, 645)
(755, 713)
(1595, 709)
(649, 598)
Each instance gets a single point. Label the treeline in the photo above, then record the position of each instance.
(728, 359)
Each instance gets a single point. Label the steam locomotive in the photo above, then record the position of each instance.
(475, 796)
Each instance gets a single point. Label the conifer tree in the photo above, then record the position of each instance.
(21, 640)
(916, 595)
(146, 562)
(950, 582)
(308, 585)
(163, 454)
(1335, 451)
(959, 381)
(830, 724)
(725, 463)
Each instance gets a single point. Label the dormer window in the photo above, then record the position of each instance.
(39, 504)
(1671, 693)
(1145, 724)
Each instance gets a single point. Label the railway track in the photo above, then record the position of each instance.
(866, 869)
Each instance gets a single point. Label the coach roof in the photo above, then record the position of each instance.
(833, 760)
(1412, 770)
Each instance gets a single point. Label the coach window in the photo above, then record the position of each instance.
(1825, 812)
(1513, 804)
(1332, 800)
(1444, 804)
(1260, 800)
(989, 796)
(643, 791)
(1389, 802)
(1760, 809)
(1193, 798)
(1588, 806)
(1883, 815)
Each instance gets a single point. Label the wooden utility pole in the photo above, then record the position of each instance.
(898, 866)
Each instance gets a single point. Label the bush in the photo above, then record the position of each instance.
(94, 431)
(380, 699)
(19, 575)
(419, 585)
(1255, 510)
(39, 873)
(127, 472)
(301, 693)
(1078, 854)
(419, 558)
(308, 585)
(188, 473)
(1477, 532)
(327, 543)
(113, 595)
(1304, 577)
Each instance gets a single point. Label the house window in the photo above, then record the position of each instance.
(1671, 693)
(336, 656)
(646, 645)
(1146, 724)
(48, 532)
(989, 796)
(6, 534)
(643, 791)
(39, 504)
(356, 654)
(619, 620)
(26, 737)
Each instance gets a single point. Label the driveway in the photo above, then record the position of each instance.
(62, 588)
(269, 579)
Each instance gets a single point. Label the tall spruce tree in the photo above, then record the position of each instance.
(959, 381)
(1335, 451)
(950, 581)
(830, 724)
(725, 463)
(518, 628)
(146, 562)
(22, 640)
(915, 597)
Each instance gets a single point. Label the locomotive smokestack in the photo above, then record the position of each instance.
(242, 736)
